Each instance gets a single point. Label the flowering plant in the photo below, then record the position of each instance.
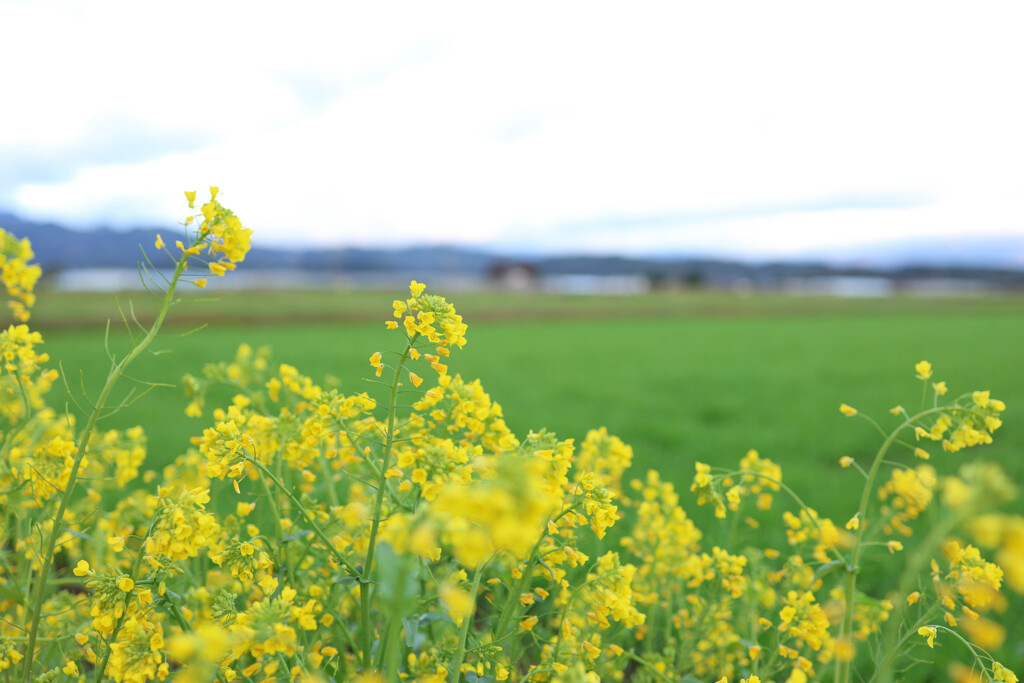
(406, 533)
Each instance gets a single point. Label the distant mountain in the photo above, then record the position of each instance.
(971, 251)
(59, 248)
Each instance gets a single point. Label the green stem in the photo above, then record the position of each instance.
(136, 565)
(844, 670)
(10, 436)
(83, 445)
(890, 656)
(568, 604)
(366, 630)
(175, 612)
(512, 606)
(309, 518)
(393, 653)
(172, 609)
(325, 468)
(513, 597)
(647, 665)
(915, 564)
(799, 501)
(281, 549)
(467, 621)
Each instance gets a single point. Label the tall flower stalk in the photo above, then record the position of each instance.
(222, 240)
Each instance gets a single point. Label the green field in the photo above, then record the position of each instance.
(681, 377)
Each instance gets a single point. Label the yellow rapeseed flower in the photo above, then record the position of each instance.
(928, 632)
(847, 410)
(924, 369)
(457, 602)
(845, 649)
(1001, 673)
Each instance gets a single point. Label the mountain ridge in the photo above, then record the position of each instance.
(60, 248)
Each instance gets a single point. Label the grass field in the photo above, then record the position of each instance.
(680, 377)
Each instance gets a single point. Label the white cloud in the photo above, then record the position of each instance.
(492, 124)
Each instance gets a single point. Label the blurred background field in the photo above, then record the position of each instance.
(679, 376)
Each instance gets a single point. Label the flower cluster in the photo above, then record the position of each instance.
(18, 275)
(432, 317)
(182, 526)
(219, 239)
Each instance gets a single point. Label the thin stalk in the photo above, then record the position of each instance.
(279, 531)
(799, 501)
(467, 621)
(136, 565)
(513, 599)
(844, 670)
(175, 612)
(83, 445)
(392, 658)
(568, 604)
(890, 656)
(647, 665)
(366, 632)
(911, 571)
(309, 518)
(325, 468)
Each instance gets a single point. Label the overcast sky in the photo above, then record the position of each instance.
(754, 129)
